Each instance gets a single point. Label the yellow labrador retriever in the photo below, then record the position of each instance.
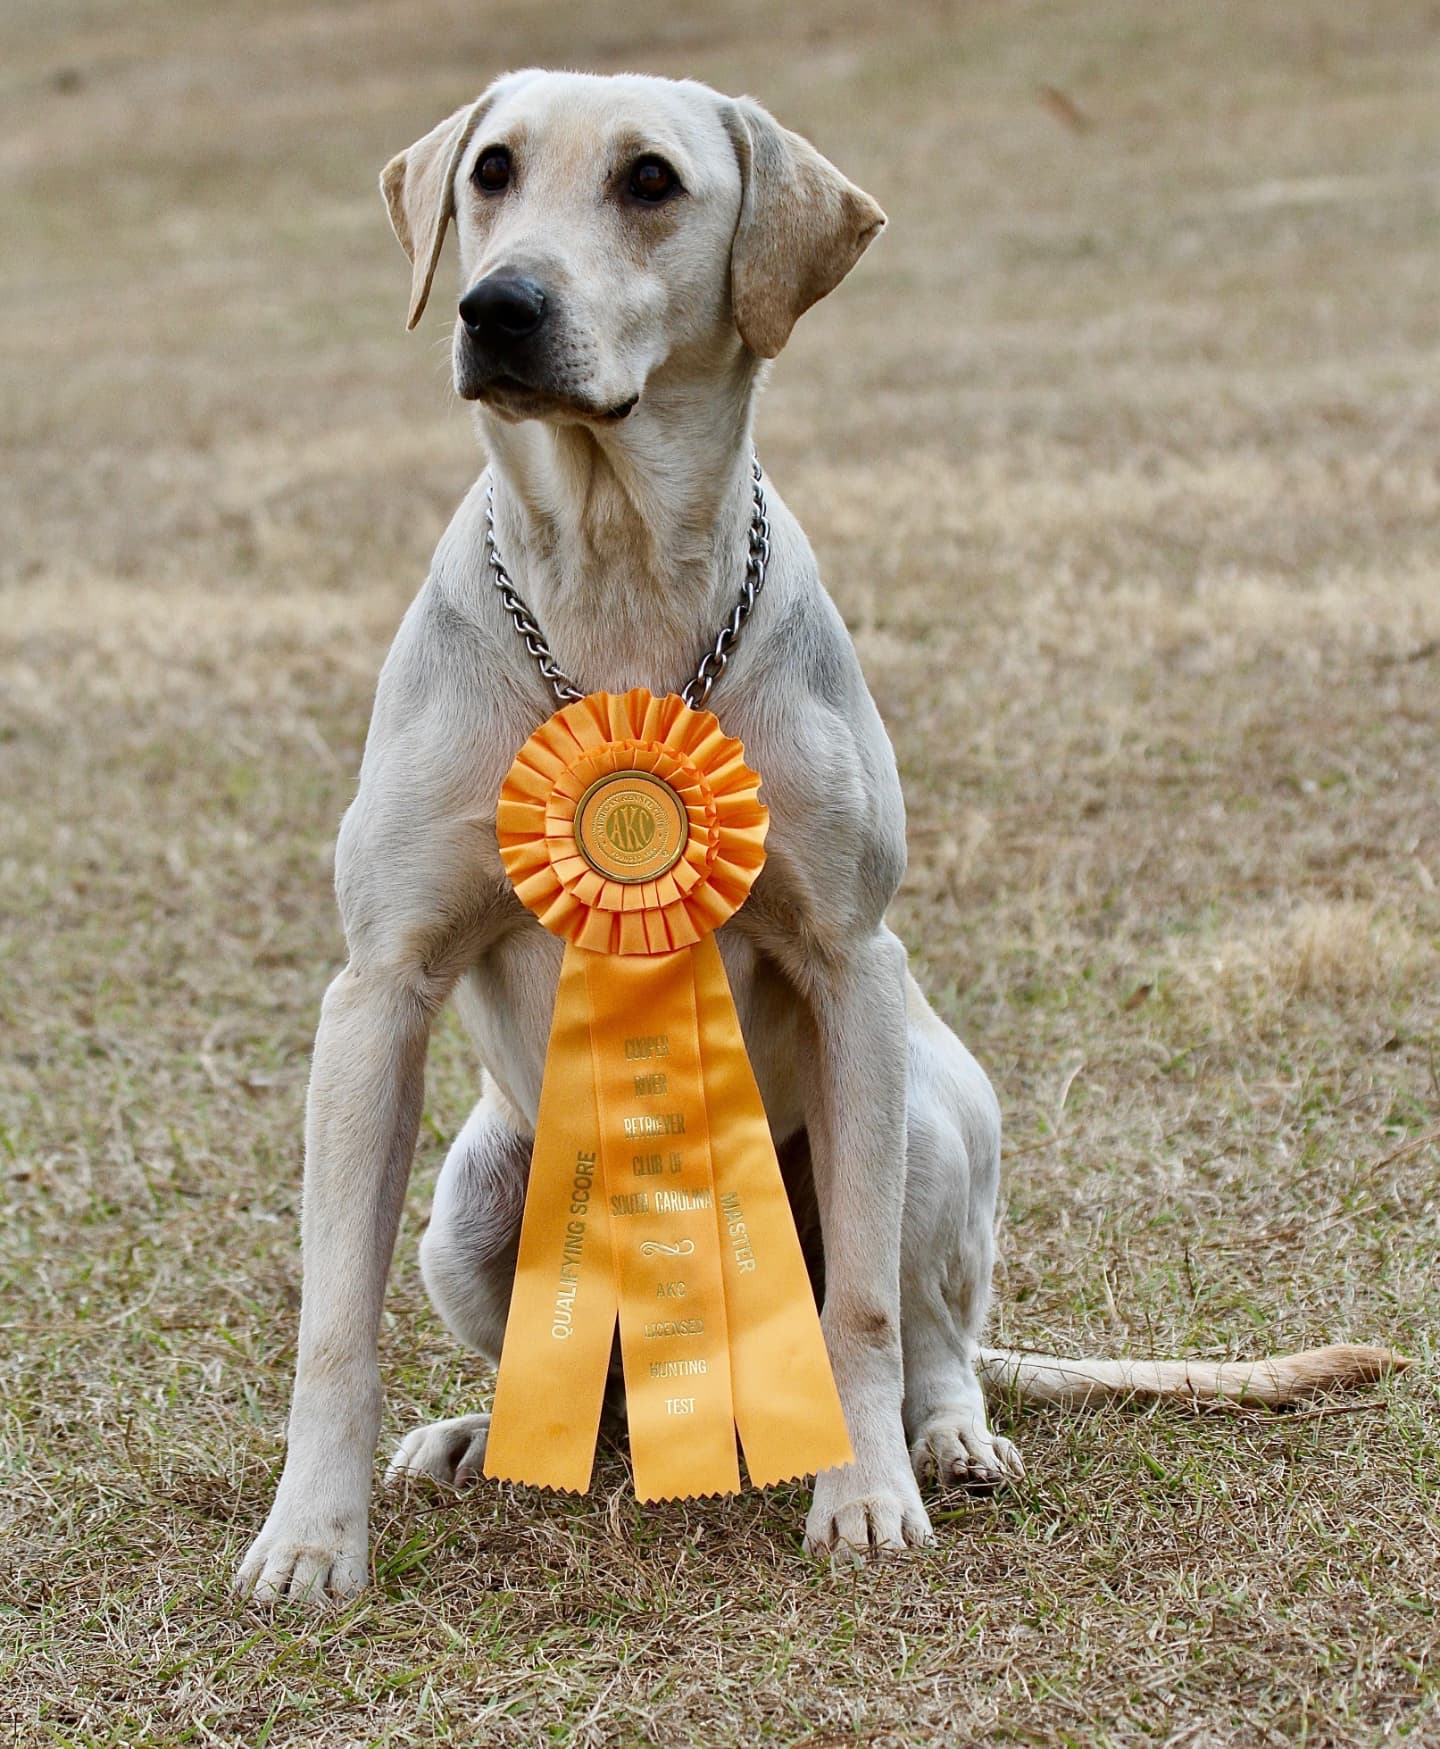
(632, 251)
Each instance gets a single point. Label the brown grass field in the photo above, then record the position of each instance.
(1119, 451)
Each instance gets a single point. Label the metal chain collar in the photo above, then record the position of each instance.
(698, 688)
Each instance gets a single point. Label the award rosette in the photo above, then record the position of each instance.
(632, 828)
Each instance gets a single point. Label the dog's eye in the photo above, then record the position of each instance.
(492, 170)
(652, 179)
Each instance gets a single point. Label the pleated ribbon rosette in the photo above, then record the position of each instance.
(632, 827)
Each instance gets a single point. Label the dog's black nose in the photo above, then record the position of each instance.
(503, 306)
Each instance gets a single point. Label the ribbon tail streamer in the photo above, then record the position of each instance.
(787, 1408)
(655, 1146)
(561, 1325)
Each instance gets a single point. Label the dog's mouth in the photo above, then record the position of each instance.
(517, 399)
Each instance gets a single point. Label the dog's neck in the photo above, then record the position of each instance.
(628, 541)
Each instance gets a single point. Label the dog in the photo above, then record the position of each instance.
(633, 252)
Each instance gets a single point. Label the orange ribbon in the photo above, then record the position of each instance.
(632, 827)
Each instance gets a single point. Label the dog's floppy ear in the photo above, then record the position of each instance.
(802, 227)
(419, 188)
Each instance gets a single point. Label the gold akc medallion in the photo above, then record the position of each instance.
(632, 827)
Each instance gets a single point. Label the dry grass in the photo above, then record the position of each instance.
(1120, 454)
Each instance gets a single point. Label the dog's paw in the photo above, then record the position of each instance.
(850, 1521)
(452, 1452)
(960, 1451)
(305, 1562)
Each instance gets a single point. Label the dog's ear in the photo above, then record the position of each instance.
(802, 227)
(419, 188)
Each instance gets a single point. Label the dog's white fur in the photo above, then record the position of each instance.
(628, 538)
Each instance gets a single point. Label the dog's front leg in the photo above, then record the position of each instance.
(857, 1137)
(366, 1089)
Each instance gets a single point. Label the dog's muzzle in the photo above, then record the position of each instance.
(514, 354)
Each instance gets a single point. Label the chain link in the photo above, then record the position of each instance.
(698, 688)
(514, 605)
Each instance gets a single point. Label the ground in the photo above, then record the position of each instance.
(1119, 452)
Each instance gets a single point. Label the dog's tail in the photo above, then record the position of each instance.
(1275, 1382)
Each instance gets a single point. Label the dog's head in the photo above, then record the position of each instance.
(610, 227)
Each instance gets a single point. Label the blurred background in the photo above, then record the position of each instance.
(1119, 451)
